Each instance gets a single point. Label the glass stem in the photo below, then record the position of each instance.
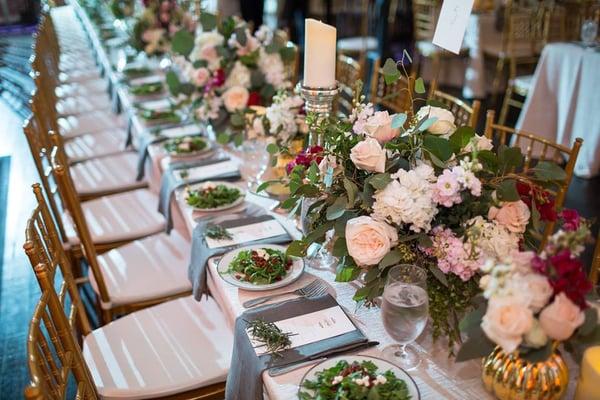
(401, 353)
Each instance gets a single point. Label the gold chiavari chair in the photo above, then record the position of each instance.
(465, 114)
(348, 72)
(173, 336)
(537, 148)
(595, 269)
(520, 45)
(395, 97)
(123, 295)
(553, 29)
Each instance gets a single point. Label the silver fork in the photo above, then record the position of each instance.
(313, 289)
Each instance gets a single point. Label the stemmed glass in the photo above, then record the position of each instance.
(320, 258)
(589, 31)
(404, 312)
(254, 154)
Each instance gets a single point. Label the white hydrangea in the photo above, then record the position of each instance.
(264, 34)
(239, 76)
(209, 109)
(282, 116)
(407, 199)
(273, 69)
(490, 239)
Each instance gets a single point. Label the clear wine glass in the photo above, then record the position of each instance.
(589, 31)
(254, 154)
(404, 311)
(321, 257)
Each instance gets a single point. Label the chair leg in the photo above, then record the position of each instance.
(496, 82)
(505, 105)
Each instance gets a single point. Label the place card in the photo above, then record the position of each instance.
(452, 24)
(156, 105)
(178, 131)
(248, 233)
(145, 80)
(311, 328)
(207, 171)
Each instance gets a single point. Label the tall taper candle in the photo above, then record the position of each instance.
(319, 54)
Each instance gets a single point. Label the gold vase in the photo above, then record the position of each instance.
(510, 377)
(278, 171)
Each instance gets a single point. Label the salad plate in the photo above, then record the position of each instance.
(187, 147)
(260, 267)
(214, 196)
(356, 376)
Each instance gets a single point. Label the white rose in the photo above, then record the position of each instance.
(535, 288)
(505, 322)
(368, 240)
(444, 125)
(560, 319)
(235, 98)
(479, 143)
(368, 155)
(200, 76)
(379, 126)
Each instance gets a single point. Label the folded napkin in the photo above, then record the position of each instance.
(171, 181)
(201, 253)
(156, 137)
(244, 381)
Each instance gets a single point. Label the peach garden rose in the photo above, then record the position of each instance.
(368, 155)
(513, 215)
(369, 240)
(560, 319)
(235, 98)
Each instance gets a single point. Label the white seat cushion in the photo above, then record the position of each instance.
(170, 348)
(87, 88)
(496, 49)
(356, 44)
(94, 145)
(522, 84)
(146, 269)
(95, 121)
(123, 216)
(112, 173)
(78, 75)
(83, 104)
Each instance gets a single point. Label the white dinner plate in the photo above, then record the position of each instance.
(236, 203)
(210, 147)
(293, 274)
(382, 366)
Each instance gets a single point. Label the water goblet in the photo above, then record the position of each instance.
(404, 312)
(589, 31)
(320, 257)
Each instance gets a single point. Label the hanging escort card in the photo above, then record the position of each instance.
(452, 24)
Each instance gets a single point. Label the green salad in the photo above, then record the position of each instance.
(356, 381)
(185, 145)
(146, 89)
(260, 266)
(212, 196)
(164, 116)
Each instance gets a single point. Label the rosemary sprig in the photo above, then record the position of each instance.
(270, 335)
(217, 232)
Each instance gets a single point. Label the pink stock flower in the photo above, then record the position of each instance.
(452, 254)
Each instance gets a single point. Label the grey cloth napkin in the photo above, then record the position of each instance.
(169, 183)
(201, 253)
(244, 381)
(148, 140)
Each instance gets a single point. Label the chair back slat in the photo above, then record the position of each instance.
(595, 269)
(348, 72)
(425, 15)
(394, 97)
(539, 148)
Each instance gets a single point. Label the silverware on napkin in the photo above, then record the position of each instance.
(313, 289)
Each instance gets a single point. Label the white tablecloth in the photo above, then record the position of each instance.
(564, 102)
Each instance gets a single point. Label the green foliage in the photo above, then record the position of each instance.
(437, 146)
(390, 71)
(419, 86)
(182, 42)
(507, 190)
(208, 21)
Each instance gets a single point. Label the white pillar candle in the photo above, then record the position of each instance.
(319, 54)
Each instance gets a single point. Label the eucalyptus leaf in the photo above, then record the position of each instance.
(509, 158)
(590, 322)
(272, 148)
(173, 82)
(476, 346)
(223, 138)
(240, 35)
(548, 171)
(351, 191)
(380, 181)
(438, 146)
(390, 71)
(296, 249)
(461, 137)
(507, 190)
(391, 258)
(472, 320)
(307, 190)
(537, 355)
(398, 120)
(182, 42)
(287, 54)
(419, 86)
(208, 21)
(313, 173)
(337, 209)
(339, 248)
(439, 275)
(347, 273)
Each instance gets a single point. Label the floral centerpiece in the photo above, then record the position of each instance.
(416, 188)
(227, 71)
(158, 24)
(531, 301)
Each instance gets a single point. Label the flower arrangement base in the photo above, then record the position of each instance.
(510, 377)
(278, 171)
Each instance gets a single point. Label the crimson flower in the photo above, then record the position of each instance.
(253, 99)
(571, 219)
(306, 157)
(566, 275)
(544, 202)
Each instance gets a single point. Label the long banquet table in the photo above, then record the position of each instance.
(438, 376)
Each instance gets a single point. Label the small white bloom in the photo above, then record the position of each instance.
(337, 379)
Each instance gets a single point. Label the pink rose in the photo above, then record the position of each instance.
(208, 53)
(235, 98)
(379, 126)
(444, 120)
(368, 155)
(368, 240)
(201, 76)
(513, 215)
(506, 320)
(560, 319)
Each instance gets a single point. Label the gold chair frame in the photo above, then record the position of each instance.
(559, 154)
(395, 97)
(53, 361)
(348, 72)
(595, 269)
